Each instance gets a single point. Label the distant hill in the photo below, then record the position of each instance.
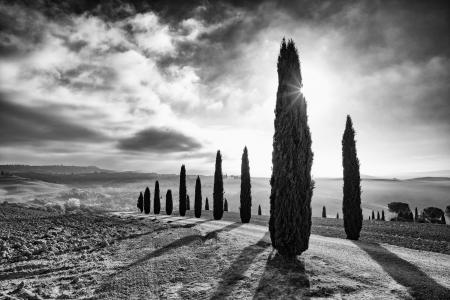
(430, 179)
(52, 169)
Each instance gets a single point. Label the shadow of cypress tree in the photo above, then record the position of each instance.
(184, 241)
(418, 283)
(282, 277)
(237, 269)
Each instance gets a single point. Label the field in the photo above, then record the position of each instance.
(119, 191)
(86, 255)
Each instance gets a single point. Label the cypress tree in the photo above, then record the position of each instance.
(206, 204)
(352, 184)
(169, 203)
(443, 219)
(337, 216)
(188, 203)
(218, 189)
(140, 202)
(198, 198)
(373, 215)
(156, 201)
(369, 218)
(378, 215)
(246, 196)
(382, 215)
(259, 210)
(324, 212)
(291, 184)
(225, 205)
(147, 201)
(182, 191)
(416, 215)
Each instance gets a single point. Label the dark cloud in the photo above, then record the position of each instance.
(159, 140)
(21, 125)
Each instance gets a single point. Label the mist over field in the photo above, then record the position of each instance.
(115, 195)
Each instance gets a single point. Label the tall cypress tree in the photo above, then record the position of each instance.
(140, 202)
(198, 198)
(147, 201)
(246, 196)
(373, 215)
(382, 215)
(378, 215)
(182, 191)
(169, 203)
(324, 212)
(218, 189)
(416, 215)
(188, 203)
(156, 199)
(337, 216)
(259, 210)
(225, 205)
(206, 204)
(351, 205)
(291, 184)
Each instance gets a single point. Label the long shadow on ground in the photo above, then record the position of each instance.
(236, 271)
(282, 278)
(419, 284)
(184, 241)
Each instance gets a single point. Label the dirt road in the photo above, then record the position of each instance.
(331, 267)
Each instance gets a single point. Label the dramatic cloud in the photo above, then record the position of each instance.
(22, 125)
(141, 73)
(160, 140)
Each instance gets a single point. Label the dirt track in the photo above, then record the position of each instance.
(238, 262)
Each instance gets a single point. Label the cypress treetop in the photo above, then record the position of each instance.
(182, 191)
(351, 205)
(218, 188)
(156, 199)
(198, 198)
(245, 195)
(291, 184)
(147, 201)
(169, 203)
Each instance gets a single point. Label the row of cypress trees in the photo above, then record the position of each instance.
(291, 182)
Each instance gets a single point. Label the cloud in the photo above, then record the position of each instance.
(161, 140)
(21, 125)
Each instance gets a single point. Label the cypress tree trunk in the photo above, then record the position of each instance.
(182, 192)
(156, 201)
(324, 212)
(225, 205)
(259, 210)
(140, 202)
(292, 187)
(169, 203)
(351, 205)
(218, 189)
(206, 204)
(246, 196)
(147, 201)
(198, 198)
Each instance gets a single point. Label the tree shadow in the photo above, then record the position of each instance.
(282, 278)
(418, 283)
(237, 269)
(184, 241)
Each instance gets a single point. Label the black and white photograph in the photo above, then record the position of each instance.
(224, 149)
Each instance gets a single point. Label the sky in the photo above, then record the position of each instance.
(128, 85)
